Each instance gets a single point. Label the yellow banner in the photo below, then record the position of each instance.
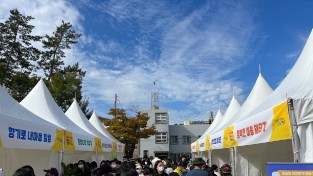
(58, 142)
(226, 140)
(232, 140)
(295, 172)
(197, 146)
(69, 141)
(280, 123)
(208, 143)
(98, 145)
(1, 145)
(114, 147)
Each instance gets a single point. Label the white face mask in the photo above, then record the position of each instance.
(139, 171)
(161, 169)
(113, 165)
(81, 166)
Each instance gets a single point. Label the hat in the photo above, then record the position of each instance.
(53, 171)
(155, 160)
(138, 166)
(225, 168)
(198, 161)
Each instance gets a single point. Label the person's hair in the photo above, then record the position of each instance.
(81, 161)
(214, 167)
(173, 174)
(147, 171)
(128, 172)
(23, 172)
(94, 164)
(156, 165)
(30, 168)
(182, 164)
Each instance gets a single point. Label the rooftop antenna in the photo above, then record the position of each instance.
(154, 97)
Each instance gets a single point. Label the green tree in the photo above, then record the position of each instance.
(129, 130)
(17, 53)
(52, 59)
(67, 84)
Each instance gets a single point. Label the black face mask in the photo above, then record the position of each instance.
(46, 175)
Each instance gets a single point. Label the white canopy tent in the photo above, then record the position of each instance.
(276, 111)
(26, 139)
(40, 102)
(222, 156)
(94, 120)
(76, 115)
(217, 119)
(260, 91)
(264, 134)
(202, 143)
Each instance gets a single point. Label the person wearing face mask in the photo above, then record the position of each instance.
(83, 171)
(181, 167)
(139, 170)
(159, 168)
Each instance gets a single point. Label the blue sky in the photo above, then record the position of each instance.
(198, 52)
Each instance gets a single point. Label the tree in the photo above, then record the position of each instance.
(129, 130)
(17, 53)
(67, 84)
(51, 59)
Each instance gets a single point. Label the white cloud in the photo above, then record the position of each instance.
(196, 53)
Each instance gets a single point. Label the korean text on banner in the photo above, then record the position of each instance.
(58, 141)
(269, 125)
(69, 141)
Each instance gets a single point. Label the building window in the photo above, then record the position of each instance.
(161, 138)
(174, 140)
(186, 140)
(160, 117)
(146, 153)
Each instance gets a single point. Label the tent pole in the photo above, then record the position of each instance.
(61, 152)
(294, 129)
(210, 157)
(232, 159)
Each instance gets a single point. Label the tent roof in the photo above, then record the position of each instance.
(260, 91)
(94, 120)
(297, 84)
(40, 102)
(232, 109)
(10, 107)
(76, 115)
(217, 119)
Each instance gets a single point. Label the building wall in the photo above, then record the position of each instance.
(150, 144)
(194, 131)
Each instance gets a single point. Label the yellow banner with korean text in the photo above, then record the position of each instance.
(98, 145)
(280, 123)
(208, 143)
(58, 141)
(197, 146)
(267, 126)
(69, 141)
(114, 147)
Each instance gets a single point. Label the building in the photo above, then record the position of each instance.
(181, 137)
(171, 141)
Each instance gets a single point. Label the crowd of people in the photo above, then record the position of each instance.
(135, 167)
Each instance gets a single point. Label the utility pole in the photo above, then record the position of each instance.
(115, 101)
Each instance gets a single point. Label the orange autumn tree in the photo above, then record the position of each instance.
(129, 130)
